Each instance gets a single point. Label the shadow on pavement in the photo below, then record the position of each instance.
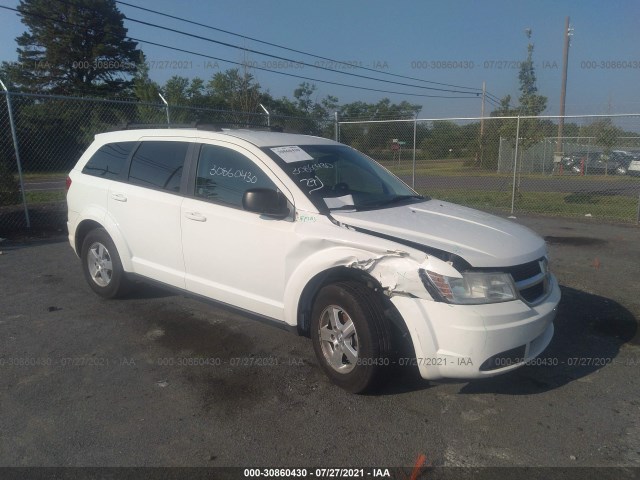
(589, 332)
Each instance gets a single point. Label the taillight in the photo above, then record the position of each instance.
(68, 183)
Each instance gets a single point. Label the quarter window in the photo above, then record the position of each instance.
(158, 165)
(224, 175)
(108, 161)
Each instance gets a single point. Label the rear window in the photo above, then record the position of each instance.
(109, 160)
(158, 165)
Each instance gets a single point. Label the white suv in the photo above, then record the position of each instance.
(317, 238)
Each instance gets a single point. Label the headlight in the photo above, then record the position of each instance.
(473, 288)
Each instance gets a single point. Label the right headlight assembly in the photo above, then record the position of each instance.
(473, 288)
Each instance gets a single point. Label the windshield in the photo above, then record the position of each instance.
(337, 177)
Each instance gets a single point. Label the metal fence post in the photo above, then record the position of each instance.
(638, 211)
(17, 151)
(337, 127)
(413, 170)
(515, 166)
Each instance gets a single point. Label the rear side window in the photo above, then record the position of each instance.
(158, 165)
(224, 175)
(109, 160)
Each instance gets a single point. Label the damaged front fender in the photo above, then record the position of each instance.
(399, 274)
(396, 270)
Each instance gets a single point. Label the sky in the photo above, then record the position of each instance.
(458, 42)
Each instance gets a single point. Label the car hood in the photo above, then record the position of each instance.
(483, 240)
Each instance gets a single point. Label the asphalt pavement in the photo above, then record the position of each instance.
(158, 379)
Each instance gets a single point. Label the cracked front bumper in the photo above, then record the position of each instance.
(455, 341)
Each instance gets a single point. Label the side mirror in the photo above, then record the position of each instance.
(265, 201)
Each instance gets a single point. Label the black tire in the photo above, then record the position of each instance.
(370, 340)
(621, 170)
(102, 266)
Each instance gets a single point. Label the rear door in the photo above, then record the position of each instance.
(146, 209)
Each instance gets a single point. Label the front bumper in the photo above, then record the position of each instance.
(475, 341)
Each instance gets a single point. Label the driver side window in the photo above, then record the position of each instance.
(224, 175)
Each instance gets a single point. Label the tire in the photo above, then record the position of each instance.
(351, 336)
(621, 170)
(102, 266)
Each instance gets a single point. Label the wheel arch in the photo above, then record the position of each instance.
(90, 223)
(324, 278)
(83, 228)
(402, 338)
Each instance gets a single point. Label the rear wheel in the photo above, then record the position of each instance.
(621, 170)
(102, 266)
(351, 336)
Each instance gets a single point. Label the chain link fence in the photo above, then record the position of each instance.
(52, 132)
(593, 171)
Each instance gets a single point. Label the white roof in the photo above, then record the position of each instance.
(258, 138)
(273, 139)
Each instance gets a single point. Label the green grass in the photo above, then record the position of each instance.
(44, 175)
(457, 167)
(613, 207)
(46, 196)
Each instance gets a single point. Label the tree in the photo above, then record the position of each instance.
(377, 137)
(235, 91)
(76, 47)
(531, 103)
(146, 90)
(303, 94)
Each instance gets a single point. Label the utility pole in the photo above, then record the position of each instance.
(484, 93)
(563, 92)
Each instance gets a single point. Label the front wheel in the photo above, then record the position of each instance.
(102, 266)
(351, 336)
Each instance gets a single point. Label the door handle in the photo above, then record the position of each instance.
(198, 217)
(119, 197)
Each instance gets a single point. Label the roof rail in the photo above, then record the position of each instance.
(237, 126)
(136, 126)
(210, 126)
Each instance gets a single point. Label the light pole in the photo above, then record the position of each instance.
(166, 108)
(268, 114)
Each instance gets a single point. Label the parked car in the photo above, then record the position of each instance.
(596, 162)
(621, 161)
(315, 237)
(573, 161)
(634, 164)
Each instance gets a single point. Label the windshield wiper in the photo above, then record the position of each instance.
(344, 207)
(396, 199)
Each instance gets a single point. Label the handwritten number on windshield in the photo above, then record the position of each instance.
(313, 182)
